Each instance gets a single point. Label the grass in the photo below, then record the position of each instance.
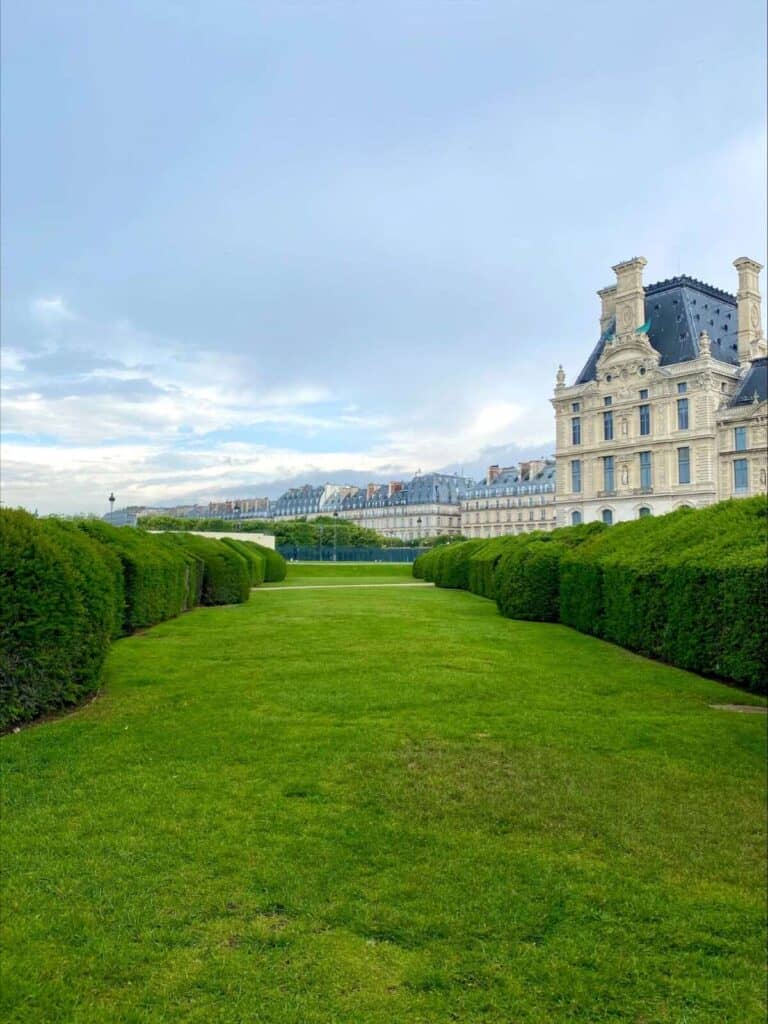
(346, 573)
(385, 805)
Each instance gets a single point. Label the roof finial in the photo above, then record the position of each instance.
(560, 377)
(705, 344)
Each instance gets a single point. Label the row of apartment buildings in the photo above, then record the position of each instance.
(670, 409)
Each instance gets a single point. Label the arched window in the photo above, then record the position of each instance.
(643, 512)
(607, 517)
(575, 518)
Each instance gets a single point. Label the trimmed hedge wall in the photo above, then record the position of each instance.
(482, 565)
(226, 573)
(527, 579)
(690, 588)
(276, 566)
(67, 589)
(254, 556)
(60, 606)
(157, 578)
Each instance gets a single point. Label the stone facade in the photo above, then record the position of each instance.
(649, 424)
(516, 499)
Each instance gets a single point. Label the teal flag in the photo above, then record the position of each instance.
(643, 329)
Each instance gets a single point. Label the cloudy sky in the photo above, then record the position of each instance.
(247, 243)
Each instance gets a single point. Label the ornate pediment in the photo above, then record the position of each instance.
(627, 357)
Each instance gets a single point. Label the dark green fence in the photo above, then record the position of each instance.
(298, 553)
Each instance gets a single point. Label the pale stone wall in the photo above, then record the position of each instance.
(628, 377)
(265, 539)
(754, 421)
(507, 514)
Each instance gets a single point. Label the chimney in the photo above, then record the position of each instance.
(748, 304)
(607, 298)
(525, 468)
(370, 491)
(394, 487)
(493, 473)
(630, 296)
(535, 466)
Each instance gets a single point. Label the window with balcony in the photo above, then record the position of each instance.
(646, 480)
(608, 426)
(608, 473)
(645, 420)
(740, 475)
(607, 517)
(682, 414)
(576, 430)
(683, 465)
(740, 439)
(576, 475)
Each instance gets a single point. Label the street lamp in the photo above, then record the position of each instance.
(418, 528)
(236, 511)
(335, 527)
(111, 505)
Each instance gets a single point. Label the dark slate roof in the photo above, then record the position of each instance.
(755, 383)
(679, 309)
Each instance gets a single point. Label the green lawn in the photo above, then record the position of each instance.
(346, 573)
(384, 805)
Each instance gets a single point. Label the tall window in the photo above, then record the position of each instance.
(608, 426)
(643, 512)
(645, 420)
(576, 475)
(740, 439)
(575, 518)
(683, 465)
(576, 430)
(682, 413)
(608, 474)
(607, 517)
(740, 475)
(645, 470)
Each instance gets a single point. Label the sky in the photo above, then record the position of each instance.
(247, 244)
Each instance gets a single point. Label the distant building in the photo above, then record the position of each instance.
(515, 499)
(426, 506)
(670, 408)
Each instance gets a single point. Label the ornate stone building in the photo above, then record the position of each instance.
(516, 499)
(670, 408)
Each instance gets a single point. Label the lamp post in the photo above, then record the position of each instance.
(418, 528)
(236, 511)
(335, 527)
(111, 505)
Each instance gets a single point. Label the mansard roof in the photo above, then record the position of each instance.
(755, 383)
(678, 310)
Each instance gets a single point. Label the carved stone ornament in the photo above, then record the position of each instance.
(754, 316)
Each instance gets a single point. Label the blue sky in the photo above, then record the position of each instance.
(251, 243)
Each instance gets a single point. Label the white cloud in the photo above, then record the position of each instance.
(51, 310)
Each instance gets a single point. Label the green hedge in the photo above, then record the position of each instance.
(61, 604)
(482, 565)
(527, 578)
(157, 576)
(689, 588)
(423, 563)
(276, 566)
(226, 574)
(452, 564)
(254, 556)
